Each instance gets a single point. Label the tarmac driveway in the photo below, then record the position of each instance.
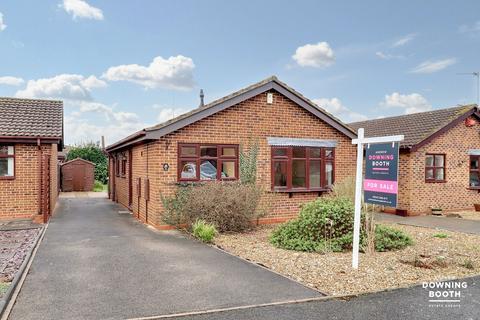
(98, 263)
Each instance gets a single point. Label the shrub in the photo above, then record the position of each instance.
(322, 224)
(230, 206)
(326, 224)
(388, 239)
(344, 189)
(248, 163)
(99, 187)
(204, 231)
(468, 264)
(441, 235)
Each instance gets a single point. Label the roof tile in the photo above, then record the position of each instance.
(415, 127)
(31, 117)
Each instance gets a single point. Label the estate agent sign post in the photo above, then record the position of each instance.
(381, 178)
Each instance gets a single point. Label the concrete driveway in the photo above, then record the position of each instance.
(96, 262)
(442, 223)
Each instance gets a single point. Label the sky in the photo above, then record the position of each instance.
(120, 66)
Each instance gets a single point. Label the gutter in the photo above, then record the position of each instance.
(127, 141)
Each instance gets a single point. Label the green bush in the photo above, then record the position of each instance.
(93, 153)
(326, 224)
(99, 187)
(388, 239)
(440, 235)
(230, 206)
(204, 231)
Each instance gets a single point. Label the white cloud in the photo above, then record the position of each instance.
(433, 66)
(116, 125)
(79, 130)
(474, 29)
(318, 55)
(11, 81)
(93, 82)
(110, 114)
(404, 40)
(2, 23)
(388, 56)
(63, 86)
(166, 114)
(172, 73)
(81, 9)
(335, 107)
(410, 103)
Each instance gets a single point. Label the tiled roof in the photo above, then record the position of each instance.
(234, 98)
(415, 127)
(31, 118)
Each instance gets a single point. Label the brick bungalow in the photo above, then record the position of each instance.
(439, 158)
(303, 150)
(31, 133)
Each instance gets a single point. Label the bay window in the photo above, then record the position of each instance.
(7, 162)
(302, 168)
(204, 162)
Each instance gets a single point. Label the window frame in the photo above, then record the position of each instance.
(470, 170)
(197, 159)
(288, 159)
(12, 177)
(123, 164)
(435, 168)
(117, 166)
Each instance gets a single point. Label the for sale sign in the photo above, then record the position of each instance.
(381, 174)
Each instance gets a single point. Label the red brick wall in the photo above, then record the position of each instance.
(419, 196)
(19, 197)
(253, 118)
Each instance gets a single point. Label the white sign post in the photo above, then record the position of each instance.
(360, 141)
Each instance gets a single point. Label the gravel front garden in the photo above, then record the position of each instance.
(14, 247)
(433, 256)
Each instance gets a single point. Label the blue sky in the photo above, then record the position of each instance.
(123, 65)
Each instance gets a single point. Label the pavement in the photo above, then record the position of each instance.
(400, 304)
(97, 262)
(442, 223)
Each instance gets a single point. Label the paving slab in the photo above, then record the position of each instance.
(95, 263)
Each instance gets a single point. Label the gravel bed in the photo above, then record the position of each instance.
(457, 255)
(14, 246)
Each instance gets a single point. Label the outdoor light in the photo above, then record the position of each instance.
(165, 167)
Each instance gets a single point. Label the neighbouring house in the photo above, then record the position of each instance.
(303, 150)
(78, 175)
(31, 134)
(439, 159)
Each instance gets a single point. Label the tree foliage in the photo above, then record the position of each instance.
(93, 153)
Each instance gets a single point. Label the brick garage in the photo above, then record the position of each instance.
(438, 159)
(31, 133)
(146, 165)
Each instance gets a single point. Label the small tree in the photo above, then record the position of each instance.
(93, 153)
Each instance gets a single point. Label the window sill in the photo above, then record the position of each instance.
(7, 178)
(200, 182)
(292, 191)
(435, 181)
(474, 189)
